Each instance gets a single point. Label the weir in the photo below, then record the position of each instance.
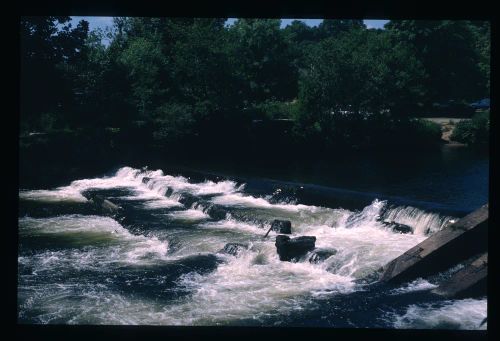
(462, 240)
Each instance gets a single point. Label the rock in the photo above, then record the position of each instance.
(401, 228)
(397, 227)
(187, 199)
(293, 248)
(110, 207)
(124, 220)
(145, 180)
(104, 206)
(233, 249)
(94, 199)
(371, 277)
(201, 263)
(286, 194)
(260, 259)
(321, 255)
(216, 213)
(169, 191)
(282, 226)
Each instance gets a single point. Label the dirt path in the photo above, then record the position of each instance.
(447, 126)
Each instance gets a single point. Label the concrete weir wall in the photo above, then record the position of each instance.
(462, 240)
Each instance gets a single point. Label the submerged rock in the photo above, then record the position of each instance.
(233, 249)
(110, 207)
(201, 263)
(260, 259)
(293, 248)
(321, 255)
(287, 194)
(401, 228)
(282, 226)
(104, 206)
(397, 227)
(169, 191)
(186, 199)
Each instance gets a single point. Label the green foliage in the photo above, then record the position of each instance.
(481, 31)
(49, 46)
(329, 28)
(173, 122)
(425, 132)
(262, 61)
(48, 121)
(143, 60)
(194, 80)
(279, 110)
(474, 132)
(359, 74)
(454, 54)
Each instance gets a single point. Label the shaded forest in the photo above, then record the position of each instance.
(196, 85)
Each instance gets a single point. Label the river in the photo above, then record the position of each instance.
(161, 262)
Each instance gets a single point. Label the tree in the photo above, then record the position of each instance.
(354, 77)
(103, 89)
(48, 45)
(330, 28)
(482, 37)
(448, 50)
(300, 38)
(361, 72)
(261, 60)
(144, 61)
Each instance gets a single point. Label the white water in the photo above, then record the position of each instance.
(79, 230)
(457, 314)
(417, 285)
(191, 214)
(421, 222)
(251, 286)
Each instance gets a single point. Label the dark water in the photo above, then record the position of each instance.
(160, 260)
(451, 178)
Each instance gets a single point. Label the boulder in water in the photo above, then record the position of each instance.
(216, 213)
(321, 255)
(293, 248)
(233, 249)
(282, 226)
(145, 180)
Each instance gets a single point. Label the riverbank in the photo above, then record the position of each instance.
(447, 124)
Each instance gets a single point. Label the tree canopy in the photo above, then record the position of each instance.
(195, 79)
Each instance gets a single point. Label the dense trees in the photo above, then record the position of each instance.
(453, 53)
(354, 77)
(49, 49)
(195, 80)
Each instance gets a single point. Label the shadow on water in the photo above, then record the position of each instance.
(450, 180)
